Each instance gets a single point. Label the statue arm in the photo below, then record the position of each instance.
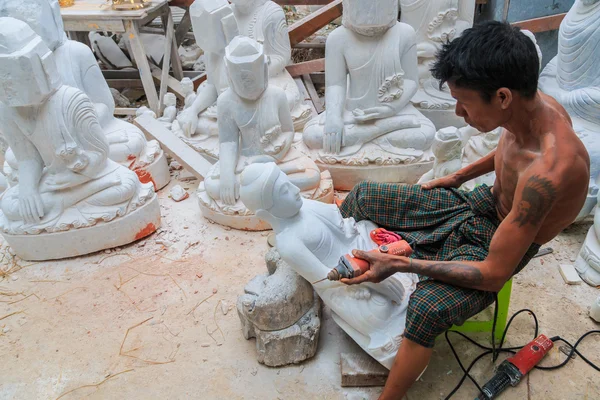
(336, 73)
(229, 138)
(277, 41)
(94, 84)
(302, 260)
(466, 15)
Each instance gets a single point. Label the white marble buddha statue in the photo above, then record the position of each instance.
(436, 22)
(264, 21)
(587, 263)
(371, 74)
(255, 126)
(573, 79)
(311, 237)
(71, 198)
(214, 26)
(78, 68)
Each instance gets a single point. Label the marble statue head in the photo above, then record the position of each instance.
(214, 24)
(170, 100)
(268, 192)
(246, 67)
(447, 144)
(187, 86)
(370, 17)
(245, 6)
(43, 16)
(28, 72)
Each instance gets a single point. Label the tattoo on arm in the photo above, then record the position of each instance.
(538, 196)
(454, 273)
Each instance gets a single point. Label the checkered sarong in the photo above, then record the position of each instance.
(440, 224)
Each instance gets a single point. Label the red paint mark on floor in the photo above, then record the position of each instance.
(147, 230)
(145, 177)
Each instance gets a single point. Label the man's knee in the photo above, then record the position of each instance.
(426, 319)
(355, 203)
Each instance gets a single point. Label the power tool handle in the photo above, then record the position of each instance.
(530, 355)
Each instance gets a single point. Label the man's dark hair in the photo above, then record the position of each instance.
(487, 57)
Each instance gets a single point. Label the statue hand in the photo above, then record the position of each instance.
(426, 50)
(381, 267)
(188, 120)
(370, 114)
(31, 207)
(332, 138)
(450, 181)
(229, 191)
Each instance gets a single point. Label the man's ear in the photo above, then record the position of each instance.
(504, 97)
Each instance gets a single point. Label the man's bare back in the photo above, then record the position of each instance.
(555, 148)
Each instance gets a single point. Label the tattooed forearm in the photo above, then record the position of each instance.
(454, 273)
(538, 196)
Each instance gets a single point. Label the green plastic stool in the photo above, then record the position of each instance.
(487, 326)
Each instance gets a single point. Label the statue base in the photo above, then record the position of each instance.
(238, 217)
(345, 177)
(437, 105)
(77, 242)
(587, 263)
(156, 173)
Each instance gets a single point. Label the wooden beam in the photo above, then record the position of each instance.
(124, 111)
(188, 157)
(306, 67)
(359, 369)
(308, 25)
(542, 24)
(312, 92)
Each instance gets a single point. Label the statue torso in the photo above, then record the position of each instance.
(433, 20)
(374, 65)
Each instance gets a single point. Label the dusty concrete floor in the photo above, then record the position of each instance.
(157, 320)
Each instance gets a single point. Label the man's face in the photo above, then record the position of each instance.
(481, 115)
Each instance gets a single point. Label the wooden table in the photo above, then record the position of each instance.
(97, 15)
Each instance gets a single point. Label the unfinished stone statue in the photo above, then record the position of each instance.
(187, 88)
(370, 129)
(587, 263)
(71, 199)
(573, 79)
(436, 22)
(78, 68)
(311, 237)
(281, 310)
(215, 24)
(255, 126)
(170, 111)
(264, 21)
(456, 148)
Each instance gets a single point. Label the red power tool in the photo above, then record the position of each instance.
(351, 267)
(513, 369)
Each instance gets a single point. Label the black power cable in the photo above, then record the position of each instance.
(496, 350)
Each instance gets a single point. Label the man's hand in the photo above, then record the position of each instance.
(332, 138)
(450, 181)
(381, 267)
(31, 206)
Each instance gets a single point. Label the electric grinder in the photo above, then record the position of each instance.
(513, 369)
(351, 267)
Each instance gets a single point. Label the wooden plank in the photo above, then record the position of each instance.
(306, 67)
(125, 111)
(171, 82)
(188, 157)
(542, 24)
(142, 63)
(318, 78)
(305, 96)
(170, 35)
(308, 25)
(360, 369)
(124, 83)
(198, 80)
(312, 92)
(183, 27)
(94, 25)
(102, 10)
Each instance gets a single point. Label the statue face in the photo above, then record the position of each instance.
(27, 68)
(370, 18)
(214, 24)
(247, 67)
(43, 16)
(287, 201)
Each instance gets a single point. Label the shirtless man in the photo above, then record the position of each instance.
(469, 244)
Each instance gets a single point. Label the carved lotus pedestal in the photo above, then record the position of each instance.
(121, 230)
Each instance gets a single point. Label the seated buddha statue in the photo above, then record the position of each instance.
(371, 74)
